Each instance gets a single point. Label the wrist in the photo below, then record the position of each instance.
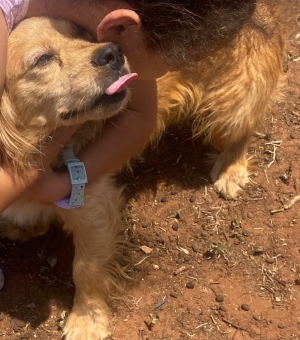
(78, 178)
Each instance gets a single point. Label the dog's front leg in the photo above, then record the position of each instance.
(97, 240)
(230, 171)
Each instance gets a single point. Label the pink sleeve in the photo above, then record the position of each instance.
(14, 11)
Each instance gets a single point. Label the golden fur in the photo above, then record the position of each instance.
(40, 93)
(224, 97)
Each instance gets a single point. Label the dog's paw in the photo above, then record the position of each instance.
(89, 326)
(230, 181)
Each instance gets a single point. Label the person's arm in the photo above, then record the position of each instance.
(13, 185)
(121, 138)
(125, 134)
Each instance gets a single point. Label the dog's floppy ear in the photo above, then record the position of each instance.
(16, 149)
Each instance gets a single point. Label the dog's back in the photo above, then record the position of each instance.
(225, 96)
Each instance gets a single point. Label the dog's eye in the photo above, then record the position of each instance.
(43, 60)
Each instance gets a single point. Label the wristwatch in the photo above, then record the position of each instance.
(78, 178)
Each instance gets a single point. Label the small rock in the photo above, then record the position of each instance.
(146, 249)
(178, 215)
(281, 326)
(292, 135)
(193, 198)
(190, 285)
(175, 226)
(146, 225)
(245, 307)
(245, 233)
(173, 192)
(250, 215)
(174, 295)
(220, 298)
(269, 260)
(164, 200)
(196, 248)
(223, 308)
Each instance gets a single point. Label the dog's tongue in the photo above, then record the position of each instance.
(121, 83)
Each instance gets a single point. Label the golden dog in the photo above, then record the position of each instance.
(43, 92)
(224, 96)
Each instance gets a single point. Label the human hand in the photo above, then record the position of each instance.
(51, 186)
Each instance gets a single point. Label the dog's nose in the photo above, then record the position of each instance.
(110, 56)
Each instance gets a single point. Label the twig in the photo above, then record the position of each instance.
(136, 264)
(274, 156)
(161, 304)
(288, 205)
(265, 171)
(231, 323)
(180, 270)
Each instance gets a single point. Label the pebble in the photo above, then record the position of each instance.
(193, 198)
(196, 248)
(245, 233)
(220, 298)
(292, 135)
(281, 326)
(174, 295)
(245, 307)
(146, 225)
(173, 192)
(250, 215)
(178, 215)
(1, 279)
(175, 226)
(269, 260)
(223, 308)
(164, 200)
(190, 285)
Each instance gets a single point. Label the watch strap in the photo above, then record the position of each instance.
(78, 179)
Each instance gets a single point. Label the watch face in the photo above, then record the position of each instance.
(77, 173)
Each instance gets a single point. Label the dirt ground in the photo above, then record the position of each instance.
(218, 269)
